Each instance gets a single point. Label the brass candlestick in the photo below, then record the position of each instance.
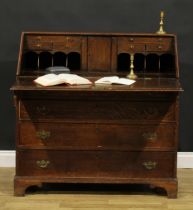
(161, 30)
(132, 75)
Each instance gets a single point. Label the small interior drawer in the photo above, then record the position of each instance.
(130, 47)
(158, 47)
(38, 45)
(68, 44)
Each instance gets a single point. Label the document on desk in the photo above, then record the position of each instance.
(53, 79)
(114, 80)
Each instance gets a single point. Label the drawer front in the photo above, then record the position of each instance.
(64, 43)
(69, 44)
(141, 44)
(97, 111)
(97, 136)
(130, 47)
(41, 46)
(96, 164)
(159, 47)
(132, 39)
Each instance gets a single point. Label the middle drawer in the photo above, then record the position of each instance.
(97, 136)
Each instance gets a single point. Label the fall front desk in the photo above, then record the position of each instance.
(113, 134)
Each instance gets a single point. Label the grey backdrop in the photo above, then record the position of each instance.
(99, 16)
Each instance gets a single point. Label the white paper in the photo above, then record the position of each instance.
(114, 80)
(53, 79)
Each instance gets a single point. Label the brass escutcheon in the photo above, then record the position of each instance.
(150, 165)
(43, 135)
(43, 163)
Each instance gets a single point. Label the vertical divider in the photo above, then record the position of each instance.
(144, 71)
(38, 61)
(159, 65)
(52, 59)
(114, 54)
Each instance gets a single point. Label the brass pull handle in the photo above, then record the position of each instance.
(43, 135)
(149, 165)
(131, 39)
(43, 163)
(132, 46)
(151, 136)
(38, 45)
(160, 47)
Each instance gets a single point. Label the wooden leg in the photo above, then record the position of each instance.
(172, 191)
(20, 185)
(171, 188)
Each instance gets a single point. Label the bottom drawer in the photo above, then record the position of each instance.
(80, 164)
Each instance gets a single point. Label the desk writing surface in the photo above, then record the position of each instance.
(141, 84)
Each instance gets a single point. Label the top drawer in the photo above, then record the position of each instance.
(143, 44)
(55, 43)
(97, 111)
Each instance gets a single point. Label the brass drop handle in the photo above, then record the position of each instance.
(149, 165)
(43, 135)
(151, 136)
(43, 163)
(160, 47)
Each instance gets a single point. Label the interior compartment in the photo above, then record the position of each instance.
(123, 62)
(152, 63)
(167, 63)
(74, 61)
(30, 60)
(139, 62)
(59, 59)
(45, 60)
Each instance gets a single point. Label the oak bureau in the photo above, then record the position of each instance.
(111, 134)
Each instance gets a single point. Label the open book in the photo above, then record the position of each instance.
(53, 79)
(114, 80)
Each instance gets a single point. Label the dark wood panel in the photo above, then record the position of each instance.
(99, 53)
(97, 110)
(96, 164)
(98, 136)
